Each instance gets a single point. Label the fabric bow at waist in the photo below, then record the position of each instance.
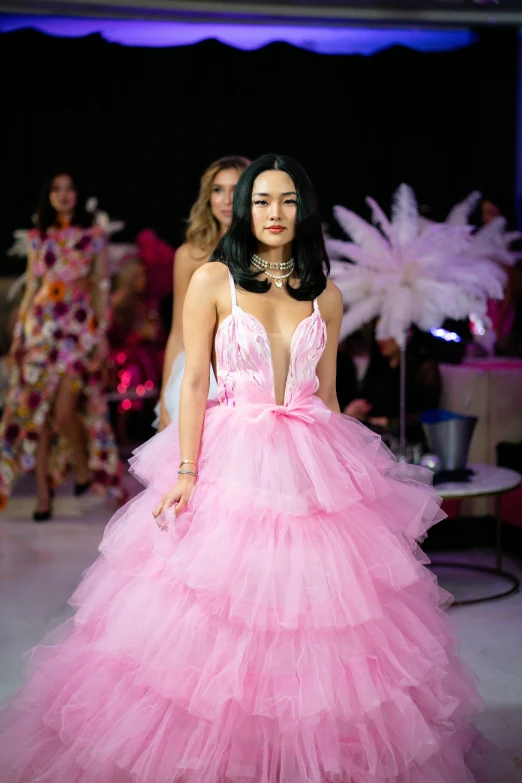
(309, 409)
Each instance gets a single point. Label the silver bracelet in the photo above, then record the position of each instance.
(188, 473)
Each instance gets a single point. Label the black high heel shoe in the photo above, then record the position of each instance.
(81, 489)
(43, 516)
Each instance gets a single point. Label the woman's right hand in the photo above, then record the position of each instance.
(179, 496)
(164, 418)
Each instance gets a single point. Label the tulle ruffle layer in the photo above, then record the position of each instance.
(281, 710)
(248, 646)
(300, 463)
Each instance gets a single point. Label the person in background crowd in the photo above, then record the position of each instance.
(157, 256)
(501, 312)
(380, 386)
(489, 211)
(510, 344)
(136, 340)
(347, 386)
(135, 321)
(376, 399)
(55, 414)
(208, 220)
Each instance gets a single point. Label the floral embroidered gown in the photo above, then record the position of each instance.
(60, 334)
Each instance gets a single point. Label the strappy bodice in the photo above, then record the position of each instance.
(245, 370)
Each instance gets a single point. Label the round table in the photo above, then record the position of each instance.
(486, 480)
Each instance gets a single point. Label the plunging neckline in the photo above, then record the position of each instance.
(263, 330)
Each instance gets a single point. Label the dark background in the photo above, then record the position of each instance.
(138, 125)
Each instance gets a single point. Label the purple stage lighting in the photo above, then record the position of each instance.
(320, 39)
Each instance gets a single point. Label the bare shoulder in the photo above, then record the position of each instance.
(189, 255)
(210, 276)
(331, 301)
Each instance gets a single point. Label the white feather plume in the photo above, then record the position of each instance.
(459, 214)
(405, 215)
(20, 246)
(361, 232)
(412, 273)
(109, 226)
(491, 241)
(380, 218)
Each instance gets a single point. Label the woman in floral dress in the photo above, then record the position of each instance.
(56, 415)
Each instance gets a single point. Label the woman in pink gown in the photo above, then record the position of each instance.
(277, 624)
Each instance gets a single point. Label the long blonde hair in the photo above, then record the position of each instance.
(203, 228)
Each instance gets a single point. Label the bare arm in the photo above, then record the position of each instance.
(184, 268)
(101, 292)
(31, 287)
(331, 307)
(199, 321)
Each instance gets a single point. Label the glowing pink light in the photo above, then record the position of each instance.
(149, 385)
(126, 405)
(121, 357)
(122, 388)
(140, 390)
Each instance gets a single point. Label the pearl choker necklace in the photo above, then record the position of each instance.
(260, 263)
(264, 266)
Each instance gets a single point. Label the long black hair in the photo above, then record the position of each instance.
(308, 249)
(46, 215)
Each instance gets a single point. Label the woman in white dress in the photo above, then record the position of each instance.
(209, 218)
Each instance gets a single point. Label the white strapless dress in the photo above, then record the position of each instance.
(173, 389)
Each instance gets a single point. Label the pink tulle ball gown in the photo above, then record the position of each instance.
(284, 629)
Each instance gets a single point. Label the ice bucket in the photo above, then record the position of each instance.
(449, 436)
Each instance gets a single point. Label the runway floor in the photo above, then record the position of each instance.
(40, 566)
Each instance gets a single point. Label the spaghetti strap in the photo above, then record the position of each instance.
(232, 289)
(316, 307)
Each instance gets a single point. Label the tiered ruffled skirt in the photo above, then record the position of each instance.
(284, 630)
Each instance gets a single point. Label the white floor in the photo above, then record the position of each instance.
(40, 565)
